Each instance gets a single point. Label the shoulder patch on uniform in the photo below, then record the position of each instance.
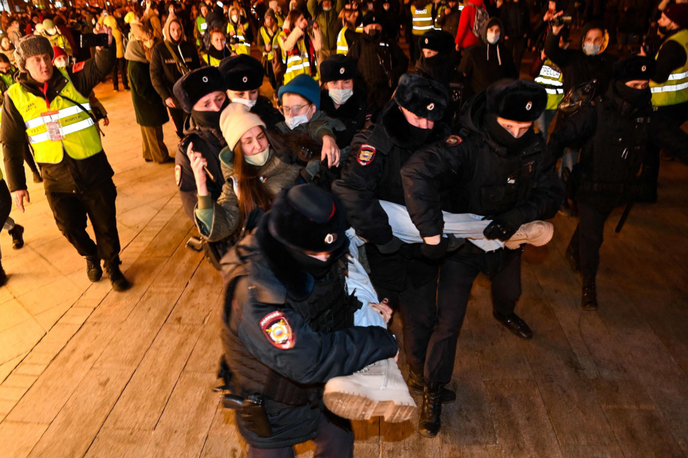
(366, 155)
(178, 174)
(78, 67)
(277, 330)
(453, 140)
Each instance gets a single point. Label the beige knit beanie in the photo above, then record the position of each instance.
(235, 121)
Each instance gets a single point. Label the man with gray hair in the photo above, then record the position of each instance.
(49, 108)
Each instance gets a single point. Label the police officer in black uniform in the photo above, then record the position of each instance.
(288, 326)
(615, 130)
(501, 170)
(201, 132)
(410, 121)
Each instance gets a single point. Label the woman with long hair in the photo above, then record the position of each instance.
(255, 165)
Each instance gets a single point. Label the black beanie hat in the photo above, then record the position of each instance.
(196, 84)
(423, 97)
(338, 67)
(371, 18)
(242, 72)
(308, 218)
(516, 100)
(634, 68)
(437, 40)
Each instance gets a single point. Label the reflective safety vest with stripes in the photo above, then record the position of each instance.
(422, 19)
(552, 79)
(342, 45)
(269, 41)
(241, 46)
(71, 129)
(674, 90)
(296, 59)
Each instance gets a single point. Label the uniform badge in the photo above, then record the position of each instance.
(366, 155)
(341, 71)
(529, 105)
(453, 140)
(277, 330)
(178, 174)
(78, 67)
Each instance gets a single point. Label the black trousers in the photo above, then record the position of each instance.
(516, 47)
(588, 237)
(178, 116)
(5, 202)
(672, 139)
(333, 441)
(98, 204)
(120, 67)
(431, 328)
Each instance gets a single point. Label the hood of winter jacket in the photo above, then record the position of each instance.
(166, 30)
(492, 22)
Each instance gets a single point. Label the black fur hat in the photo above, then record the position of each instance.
(242, 72)
(437, 40)
(516, 100)
(308, 218)
(634, 68)
(371, 18)
(423, 97)
(338, 67)
(196, 84)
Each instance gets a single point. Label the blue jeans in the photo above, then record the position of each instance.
(543, 122)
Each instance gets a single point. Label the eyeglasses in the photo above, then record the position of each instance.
(293, 110)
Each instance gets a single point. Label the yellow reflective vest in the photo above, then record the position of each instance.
(241, 46)
(210, 60)
(342, 45)
(552, 79)
(674, 90)
(71, 129)
(422, 19)
(297, 59)
(269, 41)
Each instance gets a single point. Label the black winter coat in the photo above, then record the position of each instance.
(578, 67)
(163, 68)
(263, 283)
(267, 112)
(148, 106)
(353, 113)
(516, 19)
(69, 175)
(488, 181)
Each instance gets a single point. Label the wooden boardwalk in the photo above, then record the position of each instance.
(86, 372)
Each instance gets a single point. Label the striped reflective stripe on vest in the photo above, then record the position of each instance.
(69, 111)
(65, 130)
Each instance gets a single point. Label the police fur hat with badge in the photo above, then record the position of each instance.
(634, 68)
(437, 40)
(423, 97)
(241, 73)
(308, 219)
(338, 67)
(516, 100)
(29, 46)
(196, 84)
(372, 18)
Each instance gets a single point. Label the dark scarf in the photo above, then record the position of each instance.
(219, 55)
(502, 137)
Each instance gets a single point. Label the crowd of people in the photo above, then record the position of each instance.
(373, 180)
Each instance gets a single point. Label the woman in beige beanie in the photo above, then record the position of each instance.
(256, 165)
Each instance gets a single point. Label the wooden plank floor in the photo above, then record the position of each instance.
(86, 372)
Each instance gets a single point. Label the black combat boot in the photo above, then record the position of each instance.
(430, 421)
(93, 269)
(515, 324)
(117, 278)
(573, 257)
(17, 233)
(3, 276)
(589, 301)
(416, 384)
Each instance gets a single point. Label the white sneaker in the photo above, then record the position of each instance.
(378, 390)
(536, 233)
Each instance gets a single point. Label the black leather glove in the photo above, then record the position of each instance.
(435, 251)
(503, 225)
(390, 247)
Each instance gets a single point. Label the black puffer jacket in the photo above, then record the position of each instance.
(577, 66)
(520, 187)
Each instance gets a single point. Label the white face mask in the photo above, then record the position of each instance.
(492, 38)
(235, 18)
(591, 49)
(340, 96)
(249, 103)
(259, 159)
(295, 121)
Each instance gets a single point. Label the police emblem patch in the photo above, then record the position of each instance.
(205, 79)
(341, 71)
(453, 140)
(431, 107)
(178, 174)
(245, 79)
(529, 105)
(277, 330)
(366, 155)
